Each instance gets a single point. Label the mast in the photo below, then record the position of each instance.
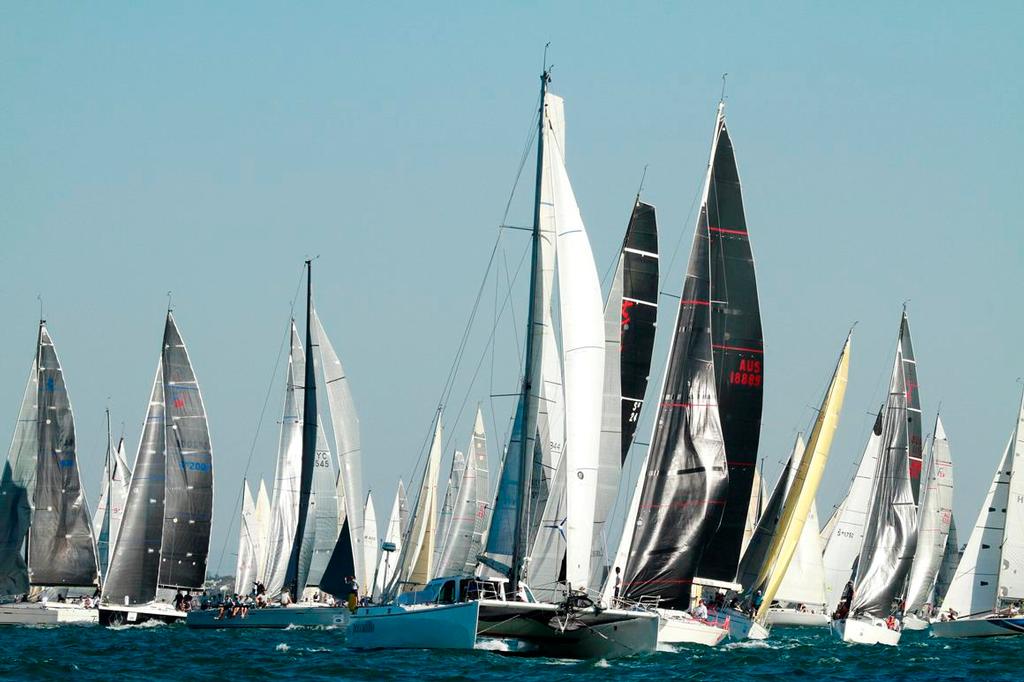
(309, 429)
(520, 539)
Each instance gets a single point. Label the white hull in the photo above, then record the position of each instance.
(979, 627)
(856, 631)
(679, 627)
(742, 626)
(912, 622)
(271, 617)
(46, 614)
(588, 634)
(116, 615)
(415, 626)
(793, 618)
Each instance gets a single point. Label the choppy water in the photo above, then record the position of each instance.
(167, 652)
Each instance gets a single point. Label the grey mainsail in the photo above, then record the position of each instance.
(19, 477)
(61, 550)
(890, 532)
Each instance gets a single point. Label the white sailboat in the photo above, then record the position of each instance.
(575, 627)
(870, 611)
(801, 599)
(985, 595)
(306, 555)
(164, 540)
(46, 540)
(934, 516)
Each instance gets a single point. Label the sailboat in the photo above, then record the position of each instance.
(870, 611)
(775, 542)
(934, 516)
(575, 627)
(716, 352)
(46, 540)
(306, 555)
(985, 595)
(164, 539)
(113, 495)
(800, 601)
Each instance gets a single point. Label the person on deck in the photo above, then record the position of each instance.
(700, 611)
(618, 583)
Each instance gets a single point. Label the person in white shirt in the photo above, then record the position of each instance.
(700, 611)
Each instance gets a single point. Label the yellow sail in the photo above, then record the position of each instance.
(426, 512)
(805, 486)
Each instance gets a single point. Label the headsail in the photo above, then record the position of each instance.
(370, 542)
(248, 549)
(414, 565)
(935, 514)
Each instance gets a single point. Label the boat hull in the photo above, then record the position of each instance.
(588, 634)
(137, 614)
(856, 631)
(415, 626)
(742, 626)
(46, 614)
(271, 617)
(979, 627)
(679, 627)
(792, 618)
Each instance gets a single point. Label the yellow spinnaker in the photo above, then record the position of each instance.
(805, 486)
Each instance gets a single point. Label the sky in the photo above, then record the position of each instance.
(207, 150)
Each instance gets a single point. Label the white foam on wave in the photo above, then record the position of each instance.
(749, 644)
(282, 647)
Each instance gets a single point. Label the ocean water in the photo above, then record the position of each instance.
(173, 652)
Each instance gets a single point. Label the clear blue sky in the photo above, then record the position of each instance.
(206, 149)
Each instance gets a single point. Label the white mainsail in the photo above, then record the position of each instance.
(323, 531)
(388, 563)
(843, 544)
(262, 522)
(248, 551)
(444, 520)
(113, 495)
(935, 514)
(370, 543)
(805, 579)
(1011, 566)
(345, 426)
(285, 505)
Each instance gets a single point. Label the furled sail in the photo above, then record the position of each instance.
(890, 532)
(846, 527)
(284, 508)
(19, 477)
(738, 349)
(685, 477)
(61, 550)
(110, 510)
(630, 319)
(248, 543)
(456, 557)
(165, 534)
(804, 487)
(345, 426)
(935, 514)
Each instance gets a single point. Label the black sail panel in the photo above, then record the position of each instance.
(61, 549)
(188, 502)
(738, 353)
(341, 566)
(135, 564)
(914, 436)
(686, 480)
(639, 315)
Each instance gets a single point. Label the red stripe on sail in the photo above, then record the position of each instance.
(741, 349)
(728, 231)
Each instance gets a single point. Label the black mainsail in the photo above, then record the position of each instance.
(685, 480)
(738, 347)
